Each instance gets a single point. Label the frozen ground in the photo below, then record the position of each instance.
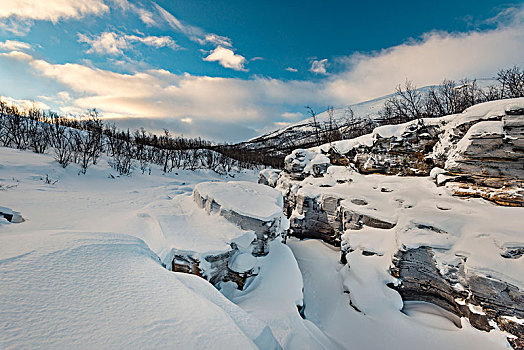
(85, 270)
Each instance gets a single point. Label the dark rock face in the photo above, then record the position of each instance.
(422, 281)
(216, 269)
(405, 155)
(319, 218)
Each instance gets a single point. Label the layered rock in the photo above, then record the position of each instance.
(482, 150)
(485, 301)
(256, 210)
(445, 251)
(250, 206)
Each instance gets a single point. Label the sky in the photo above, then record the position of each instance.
(231, 70)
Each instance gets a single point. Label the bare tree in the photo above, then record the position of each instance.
(316, 127)
(512, 82)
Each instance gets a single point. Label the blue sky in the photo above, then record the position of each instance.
(229, 70)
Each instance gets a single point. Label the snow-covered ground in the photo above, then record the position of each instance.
(86, 269)
(380, 325)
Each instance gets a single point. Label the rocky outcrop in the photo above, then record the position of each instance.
(404, 154)
(302, 163)
(260, 223)
(326, 216)
(10, 215)
(268, 177)
(479, 153)
(266, 227)
(482, 151)
(484, 301)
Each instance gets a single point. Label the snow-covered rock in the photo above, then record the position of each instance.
(444, 250)
(268, 177)
(301, 163)
(482, 149)
(255, 211)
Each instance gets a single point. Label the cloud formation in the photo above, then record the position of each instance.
(14, 45)
(111, 43)
(293, 70)
(437, 55)
(194, 33)
(51, 10)
(17, 16)
(319, 66)
(226, 58)
(160, 97)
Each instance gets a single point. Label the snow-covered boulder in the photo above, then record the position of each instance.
(269, 177)
(254, 209)
(302, 163)
(11, 215)
(250, 206)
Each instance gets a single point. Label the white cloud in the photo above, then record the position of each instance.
(51, 10)
(194, 33)
(154, 41)
(319, 67)
(214, 39)
(107, 43)
(428, 61)
(292, 115)
(226, 58)
(13, 45)
(111, 43)
(25, 104)
(290, 69)
(260, 102)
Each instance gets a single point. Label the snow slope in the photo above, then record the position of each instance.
(84, 271)
(382, 325)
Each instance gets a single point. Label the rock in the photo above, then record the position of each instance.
(268, 177)
(421, 280)
(482, 148)
(11, 215)
(302, 163)
(253, 208)
(250, 206)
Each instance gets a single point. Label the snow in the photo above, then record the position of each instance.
(104, 290)
(426, 215)
(242, 262)
(381, 326)
(84, 270)
(86, 267)
(245, 198)
(273, 297)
